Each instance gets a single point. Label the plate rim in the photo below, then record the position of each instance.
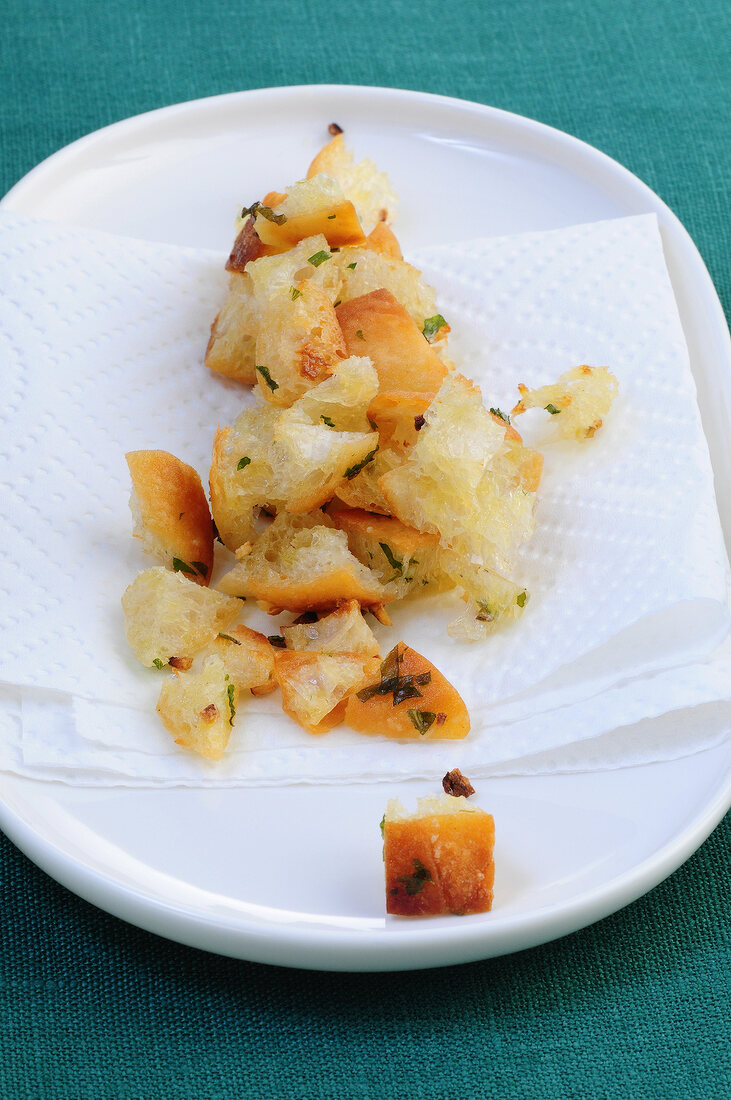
(360, 949)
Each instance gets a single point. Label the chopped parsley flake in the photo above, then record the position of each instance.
(243, 461)
(231, 691)
(230, 639)
(264, 372)
(265, 212)
(521, 598)
(294, 293)
(318, 258)
(180, 566)
(501, 414)
(158, 663)
(414, 884)
(331, 216)
(422, 719)
(383, 824)
(432, 326)
(353, 470)
(392, 561)
(552, 409)
(201, 567)
(327, 420)
(359, 334)
(353, 266)
(392, 682)
(277, 640)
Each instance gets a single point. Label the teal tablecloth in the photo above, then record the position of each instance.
(638, 1005)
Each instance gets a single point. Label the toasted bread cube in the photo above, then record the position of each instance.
(412, 701)
(579, 401)
(342, 631)
(232, 345)
(491, 601)
(198, 708)
(313, 455)
(241, 476)
(342, 401)
(311, 206)
(315, 684)
(171, 510)
(300, 564)
(378, 326)
(248, 658)
(364, 491)
(167, 616)
(360, 181)
(439, 860)
(362, 271)
(298, 342)
(396, 553)
(462, 480)
(286, 270)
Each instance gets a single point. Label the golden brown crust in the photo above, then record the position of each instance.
(411, 701)
(339, 223)
(315, 685)
(403, 541)
(247, 246)
(174, 510)
(378, 326)
(382, 239)
(318, 594)
(438, 864)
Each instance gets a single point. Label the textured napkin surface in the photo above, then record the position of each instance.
(626, 572)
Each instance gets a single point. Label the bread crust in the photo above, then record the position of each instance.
(439, 864)
(436, 712)
(377, 325)
(174, 510)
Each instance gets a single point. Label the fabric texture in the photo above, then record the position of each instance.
(635, 1006)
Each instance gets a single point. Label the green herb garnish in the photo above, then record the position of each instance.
(353, 266)
(501, 414)
(353, 470)
(265, 211)
(422, 719)
(414, 884)
(183, 567)
(318, 258)
(277, 640)
(392, 682)
(231, 691)
(331, 216)
(521, 598)
(432, 326)
(158, 663)
(294, 293)
(201, 567)
(243, 461)
(359, 334)
(392, 561)
(383, 824)
(264, 372)
(230, 639)
(552, 409)
(327, 420)
(485, 614)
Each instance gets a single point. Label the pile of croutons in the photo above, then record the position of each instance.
(367, 470)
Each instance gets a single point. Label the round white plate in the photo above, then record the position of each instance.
(294, 875)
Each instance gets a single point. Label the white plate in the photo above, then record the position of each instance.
(294, 875)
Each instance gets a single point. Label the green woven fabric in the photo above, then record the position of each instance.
(637, 1006)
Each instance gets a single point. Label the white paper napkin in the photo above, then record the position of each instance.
(103, 341)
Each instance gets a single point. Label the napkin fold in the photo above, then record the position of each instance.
(103, 338)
